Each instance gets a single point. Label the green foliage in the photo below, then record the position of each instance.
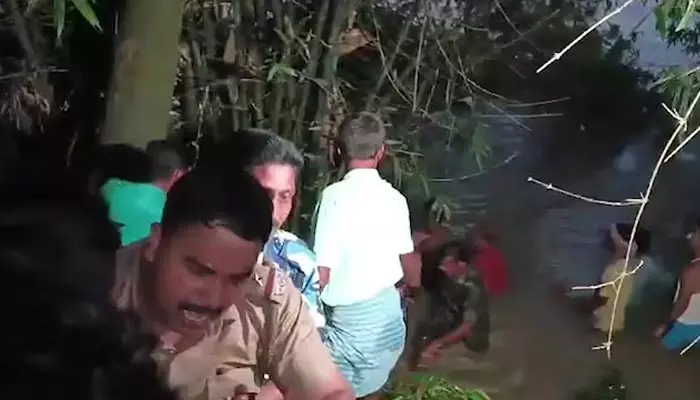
(426, 387)
(677, 22)
(674, 16)
(84, 7)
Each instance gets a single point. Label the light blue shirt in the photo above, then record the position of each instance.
(362, 227)
(295, 258)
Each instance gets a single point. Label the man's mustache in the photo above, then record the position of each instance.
(214, 312)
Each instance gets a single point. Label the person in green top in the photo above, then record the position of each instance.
(135, 206)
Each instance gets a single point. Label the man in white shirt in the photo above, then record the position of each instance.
(363, 245)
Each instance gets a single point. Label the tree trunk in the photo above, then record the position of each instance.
(144, 72)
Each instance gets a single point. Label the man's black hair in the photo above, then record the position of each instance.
(165, 159)
(361, 135)
(642, 237)
(120, 161)
(431, 274)
(230, 198)
(252, 148)
(63, 338)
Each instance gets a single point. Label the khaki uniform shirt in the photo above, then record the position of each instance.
(272, 333)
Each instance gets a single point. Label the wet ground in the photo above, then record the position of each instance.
(541, 347)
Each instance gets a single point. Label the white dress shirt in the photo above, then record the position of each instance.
(362, 226)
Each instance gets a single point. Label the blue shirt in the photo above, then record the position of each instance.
(295, 258)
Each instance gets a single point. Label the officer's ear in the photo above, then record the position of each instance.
(153, 242)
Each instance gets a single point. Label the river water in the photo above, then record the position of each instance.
(542, 350)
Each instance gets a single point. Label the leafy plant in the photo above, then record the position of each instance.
(84, 7)
(426, 387)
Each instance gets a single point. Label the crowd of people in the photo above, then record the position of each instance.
(160, 279)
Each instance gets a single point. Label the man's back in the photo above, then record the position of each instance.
(362, 228)
(690, 279)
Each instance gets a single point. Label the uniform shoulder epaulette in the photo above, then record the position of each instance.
(271, 279)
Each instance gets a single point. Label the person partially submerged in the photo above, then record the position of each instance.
(610, 315)
(225, 321)
(452, 309)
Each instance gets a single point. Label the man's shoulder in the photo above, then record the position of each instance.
(290, 238)
(332, 190)
(297, 251)
(269, 284)
(692, 271)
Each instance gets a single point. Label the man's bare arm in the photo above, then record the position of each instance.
(688, 287)
(411, 264)
(324, 274)
(334, 388)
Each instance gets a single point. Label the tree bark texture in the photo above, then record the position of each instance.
(145, 69)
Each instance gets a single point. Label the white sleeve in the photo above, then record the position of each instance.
(402, 224)
(327, 236)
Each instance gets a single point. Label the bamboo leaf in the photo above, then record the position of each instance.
(85, 9)
(59, 17)
(281, 69)
(689, 13)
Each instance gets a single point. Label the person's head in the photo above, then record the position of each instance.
(273, 160)
(63, 337)
(167, 163)
(362, 139)
(456, 256)
(451, 261)
(121, 161)
(200, 257)
(642, 237)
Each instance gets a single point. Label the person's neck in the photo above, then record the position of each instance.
(362, 164)
(162, 184)
(146, 301)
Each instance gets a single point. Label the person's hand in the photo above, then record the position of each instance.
(660, 331)
(177, 343)
(430, 354)
(241, 393)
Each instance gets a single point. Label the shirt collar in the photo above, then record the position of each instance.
(362, 173)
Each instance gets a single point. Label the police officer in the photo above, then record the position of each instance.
(225, 321)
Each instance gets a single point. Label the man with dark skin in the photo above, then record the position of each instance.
(225, 321)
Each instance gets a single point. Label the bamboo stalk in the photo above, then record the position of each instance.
(403, 34)
(312, 65)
